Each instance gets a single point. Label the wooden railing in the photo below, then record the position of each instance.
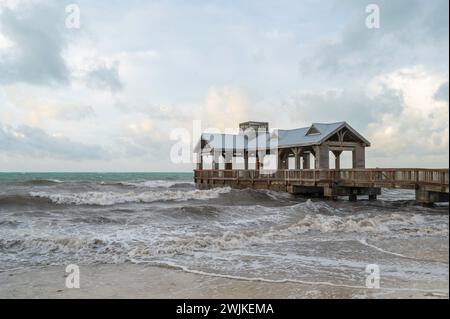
(372, 177)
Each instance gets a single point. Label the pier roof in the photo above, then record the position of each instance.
(315, 134)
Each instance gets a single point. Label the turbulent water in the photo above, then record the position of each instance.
(161, 219)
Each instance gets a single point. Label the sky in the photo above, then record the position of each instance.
(109, 94)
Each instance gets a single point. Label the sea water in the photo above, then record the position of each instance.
(162, 219)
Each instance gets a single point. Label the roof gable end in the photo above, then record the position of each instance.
(339, 126)
(313, 130)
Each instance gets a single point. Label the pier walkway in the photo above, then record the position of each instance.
(431, 185)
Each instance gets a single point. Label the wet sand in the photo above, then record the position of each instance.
(127, 281)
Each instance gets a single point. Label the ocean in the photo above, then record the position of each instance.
(161, 219)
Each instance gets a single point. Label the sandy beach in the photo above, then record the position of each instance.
(150, 282)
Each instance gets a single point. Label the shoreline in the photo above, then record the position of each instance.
(132, 281)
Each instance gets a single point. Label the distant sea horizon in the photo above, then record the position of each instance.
(94, 172)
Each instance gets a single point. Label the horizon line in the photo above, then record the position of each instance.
(93, 172)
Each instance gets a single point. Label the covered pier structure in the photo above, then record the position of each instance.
(306, 161)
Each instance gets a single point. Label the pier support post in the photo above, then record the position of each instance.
(298, 162)
(216, 161)
(286, 161)
(322, 156)
(228, 156)
(372, 197)
(428, 198)
(280, 159)
(329, 193)
(259, 159)
(306, 160)
(337, 160)
(246, 160)
(359, 157)
(199, 160)
(283, 159)
(353, 198)
(297, 153)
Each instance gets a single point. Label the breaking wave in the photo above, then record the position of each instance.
(151, 184)
(183, 233)
(321, 217)
(246, 234)
(141, 246)
(113, 198)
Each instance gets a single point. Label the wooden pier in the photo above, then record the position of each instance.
(430, 185)
(306, 148)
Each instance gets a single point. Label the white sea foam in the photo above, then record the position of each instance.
(286, 280)
(247, 241)
(55, 181)
(319, 216)
(151, 183)
(113, 198)
(365, 243)
(156, 183)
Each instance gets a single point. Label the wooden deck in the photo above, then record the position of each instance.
(431, 185)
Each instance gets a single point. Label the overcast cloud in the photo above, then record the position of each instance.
(107, 96)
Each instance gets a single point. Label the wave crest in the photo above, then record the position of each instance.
(326, 219)
(112, 198)
(151, 184)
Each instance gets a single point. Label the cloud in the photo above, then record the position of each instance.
(352, 105)
(142, 136)
(244, 68)
(421, 129)
(34, 107)
(397, 111)
(68, 112)
(410, 31)
(146, 130)
(225, 107)
(35, 34)
(34, 142)
(442, 93)
(105, 76)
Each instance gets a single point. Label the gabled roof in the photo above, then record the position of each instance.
(313, 135)
(313, 130)
(222, 141)
(316, 134)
